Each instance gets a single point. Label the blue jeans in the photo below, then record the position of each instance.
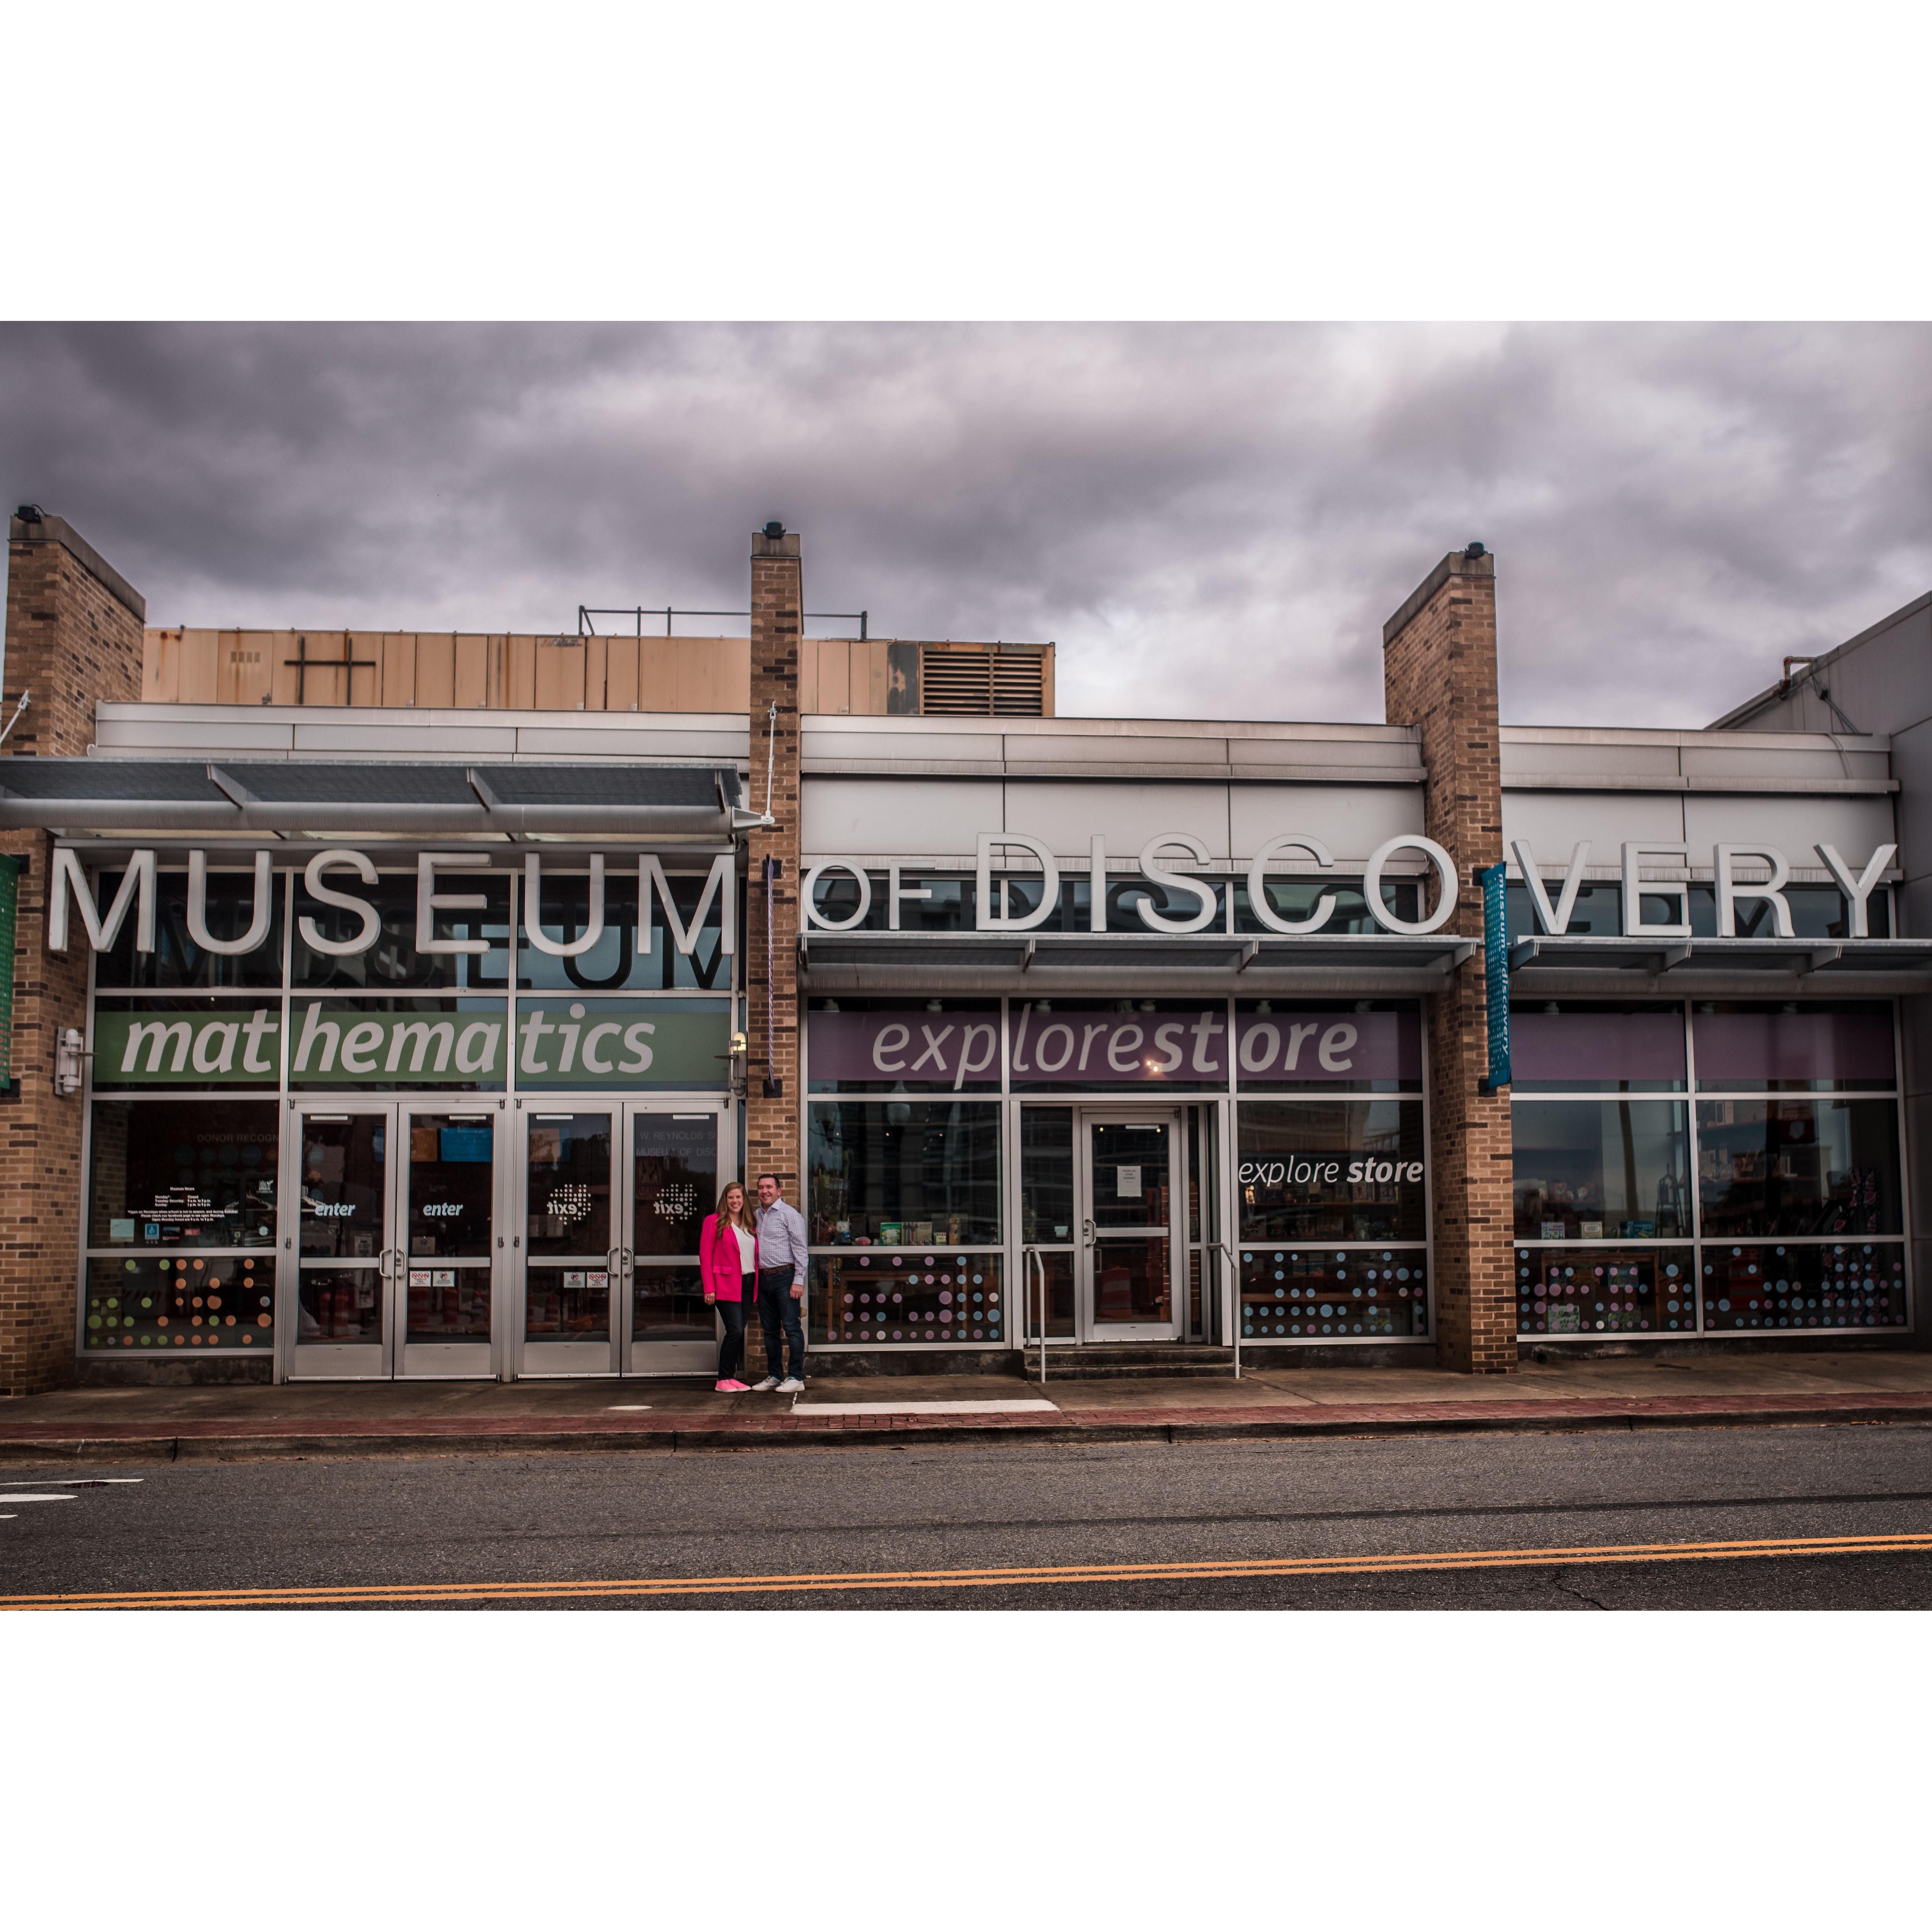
(775, 1305)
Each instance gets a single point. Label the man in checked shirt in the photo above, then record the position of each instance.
(781, 1257)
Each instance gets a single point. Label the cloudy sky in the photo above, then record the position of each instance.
(1209, 520)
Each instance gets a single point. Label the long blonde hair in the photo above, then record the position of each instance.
(742, 1218)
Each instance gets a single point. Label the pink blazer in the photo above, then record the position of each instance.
(718, 1263)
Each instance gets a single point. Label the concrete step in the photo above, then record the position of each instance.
(1111, 1360)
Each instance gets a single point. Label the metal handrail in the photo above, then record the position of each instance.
(1234, 1286)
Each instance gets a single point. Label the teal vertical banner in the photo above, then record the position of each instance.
(1493, 881)
(10, 900)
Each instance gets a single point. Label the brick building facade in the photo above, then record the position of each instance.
(1155, 1040)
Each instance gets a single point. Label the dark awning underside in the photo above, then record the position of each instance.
(1045, 962)
(140, 795)
(1361, 965)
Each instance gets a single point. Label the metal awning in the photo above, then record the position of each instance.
(1187, 965)
(289, 796)
(1613, 966)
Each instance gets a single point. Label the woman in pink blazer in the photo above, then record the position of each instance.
(727, 1252)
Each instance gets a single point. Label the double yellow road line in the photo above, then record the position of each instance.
(636, 1589)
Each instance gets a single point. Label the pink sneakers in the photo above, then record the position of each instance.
(733, 1388)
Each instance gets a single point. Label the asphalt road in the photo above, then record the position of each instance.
(1583, 1522)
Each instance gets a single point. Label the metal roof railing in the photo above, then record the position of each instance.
(638, 612)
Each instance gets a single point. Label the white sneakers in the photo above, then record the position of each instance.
(791, 1385)
(766, 1387)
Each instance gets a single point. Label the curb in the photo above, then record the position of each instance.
(231, 1442)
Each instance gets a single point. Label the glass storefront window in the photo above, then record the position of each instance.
(568, 1177)
(901, 1046)
(1143, 1045)
(1046, 1175)
(177, 960)
(186, 1041)
(1758, 1048)
(199, 1301)
(1343, 1171)
(1817, 912)
(1592, 1171)
(934, 1296)
(183, 1174)
(398, 1045)
(1582, 1046)
(1809, 1285)
(1605, 1290)
(621, 1044)
(1367, 1046)
(674, 1180)
(904, 1173)
(614, 964)
(1295, 897)
(1294, 1293)
(1797, 1167)
(392, 964)
(668, 1305)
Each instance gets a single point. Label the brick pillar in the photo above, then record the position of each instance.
(74, 636)
(1439, 674)
(771, 1120)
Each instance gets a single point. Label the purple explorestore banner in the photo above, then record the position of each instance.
(1070, 1047)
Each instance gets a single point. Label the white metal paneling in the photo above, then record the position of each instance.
(1533, 753)
(930, 817)
(1351, 820)
(659, 740)
(1857, 825)
(160, 736)
(1067, 816)
(1554, 821)
(961, 746)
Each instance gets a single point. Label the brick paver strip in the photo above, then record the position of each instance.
(694, 1430)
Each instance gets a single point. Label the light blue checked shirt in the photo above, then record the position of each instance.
(782, 1241)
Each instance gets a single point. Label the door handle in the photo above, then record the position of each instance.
(618, 1260)
(1087, 1230)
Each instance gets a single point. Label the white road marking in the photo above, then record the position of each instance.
(621, 1408)
(78, 1482)
(1002, 1406)
(39, 1499)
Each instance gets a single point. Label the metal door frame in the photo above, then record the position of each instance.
(1088, 1328)
(624, 1356)
(666, 1358)
(478, 1362)
(334, 1361)
(450, 1361)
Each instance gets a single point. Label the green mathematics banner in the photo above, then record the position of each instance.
(556, 1043)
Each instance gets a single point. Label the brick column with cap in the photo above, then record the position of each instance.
(1439, 675)
(773, 1109)
(73, 637)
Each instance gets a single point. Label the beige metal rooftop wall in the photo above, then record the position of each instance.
(478, 671)
(459, 671)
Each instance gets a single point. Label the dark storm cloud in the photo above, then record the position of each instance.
(1210, 521)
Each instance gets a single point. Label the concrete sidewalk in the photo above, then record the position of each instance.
(450, 1418)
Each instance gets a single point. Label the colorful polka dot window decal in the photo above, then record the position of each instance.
(144, 1301)
(1603, 1291)
(1305, 1295)
(886, 1297)
(1803, 1285)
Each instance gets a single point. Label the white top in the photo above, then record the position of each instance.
(747, 1249)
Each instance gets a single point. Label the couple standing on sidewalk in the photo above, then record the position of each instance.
(745, 1259)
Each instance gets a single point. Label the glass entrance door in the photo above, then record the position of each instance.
(1129, 1210)
(393, 1265)
(614, 1195)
